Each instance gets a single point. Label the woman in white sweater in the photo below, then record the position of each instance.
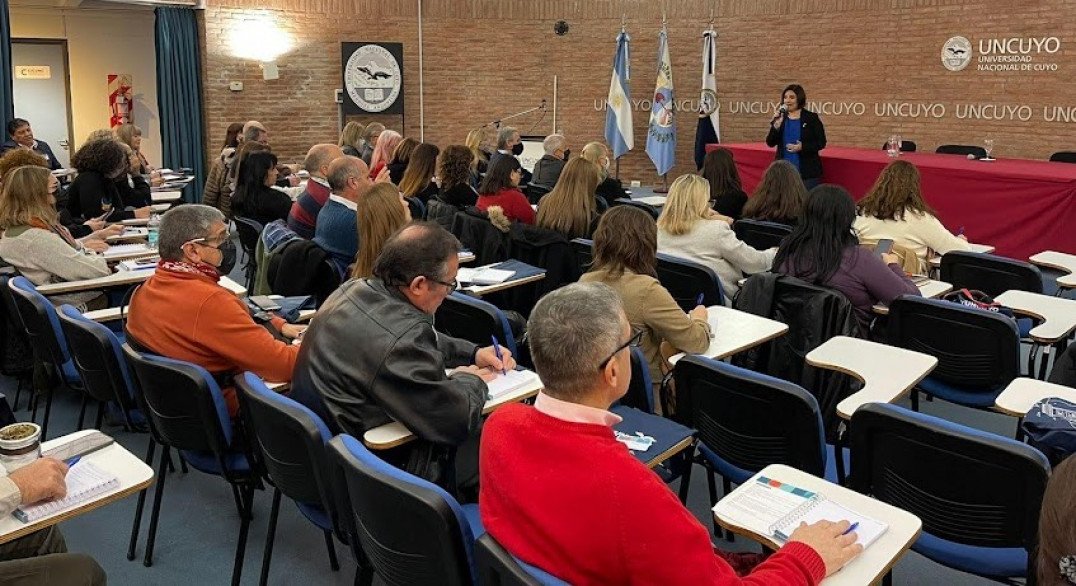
(40, 248)
(689, 229)
(894, 208)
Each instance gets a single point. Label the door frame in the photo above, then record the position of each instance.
(67, 83)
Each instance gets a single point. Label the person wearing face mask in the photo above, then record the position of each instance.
(181, 311)
(798, 135)
(547, 169)
(610, 188)
(509, 144)
(93, 195)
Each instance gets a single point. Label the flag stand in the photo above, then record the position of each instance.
(665, 184)
(618, 168)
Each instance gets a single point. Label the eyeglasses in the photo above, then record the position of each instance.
(226, 236)
(632, 342)
(455, 284)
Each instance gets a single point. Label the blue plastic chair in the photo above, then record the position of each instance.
(685, 280)
(978, 494)
(413, 532)
(474, 320)
(498, 567)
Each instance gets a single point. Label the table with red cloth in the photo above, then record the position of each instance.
(1022, 207)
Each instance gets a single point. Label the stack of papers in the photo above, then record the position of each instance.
(84, 481)
(142, 264)
(125, 250)
(483, 275)
(506, 383)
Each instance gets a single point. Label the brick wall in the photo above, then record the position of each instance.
(487, 58)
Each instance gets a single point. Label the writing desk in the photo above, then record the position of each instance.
(466, 256)
(887, 372)
(160, 207)
(137, 254)
(1022, 393)
(735, 331)
(654, 200)
(133, 474)
(935, 262)
(121, 278)
(395, 433)
(481, 290)
(165, 196)
(1058, 315)
(929, 289)
(129, 233)
(1059, 261)
(869, 566)
(135, 222)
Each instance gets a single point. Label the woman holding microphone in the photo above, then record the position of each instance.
(798, 135)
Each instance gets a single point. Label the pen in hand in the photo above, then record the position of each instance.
(699, 300)
(497, 351)
(851, 528)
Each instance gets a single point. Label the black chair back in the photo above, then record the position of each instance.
(967, 486)
(97, 355)
(249, 232)
(990, 274)
(685, 280)
(974, 348)
(1063, 157)
(474, 230)
(961, 149)
(760, 234)
(535, 191)
(473, 320)
(39, 318)
(906, 146)
(653, 211)
(303, 268)
(749, 419)
(418, 209)
(497, 567)
(584, 252)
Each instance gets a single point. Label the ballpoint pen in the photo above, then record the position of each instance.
(497, 351)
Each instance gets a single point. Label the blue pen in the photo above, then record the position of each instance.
(851, 528)
(699, 300)
(72, 461)
(497, 350)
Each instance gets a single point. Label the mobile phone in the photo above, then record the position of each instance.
(264, 302)
(885, 245)
(92, 442)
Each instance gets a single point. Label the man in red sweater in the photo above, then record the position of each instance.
(560, 493)
(182, 313)
(303, 217)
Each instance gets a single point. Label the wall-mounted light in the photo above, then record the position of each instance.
(270, 70)
(258, 37)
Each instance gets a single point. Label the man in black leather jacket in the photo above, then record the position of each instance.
(372, 356)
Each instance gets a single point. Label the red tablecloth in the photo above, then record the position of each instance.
(1022, 207)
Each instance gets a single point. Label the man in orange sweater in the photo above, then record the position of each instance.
(182, 313)
(561, 493)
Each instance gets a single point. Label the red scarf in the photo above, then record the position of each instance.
(189, 268)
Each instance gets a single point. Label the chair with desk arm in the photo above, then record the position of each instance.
(498, 567)
(760, 234)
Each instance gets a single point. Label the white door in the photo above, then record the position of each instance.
(41, 95)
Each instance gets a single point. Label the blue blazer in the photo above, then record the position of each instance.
(42, 149)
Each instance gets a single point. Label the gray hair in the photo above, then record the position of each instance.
(505, 134)
(252, 130)
(343, 169)
(571, 331)
(553, 142)
(420, 249)
(184, 223)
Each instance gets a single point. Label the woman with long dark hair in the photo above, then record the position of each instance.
(417, 180)
(726, 191)
(254, 195)
(778, 197)
(798, 135)
(822, 249)
(501, 188)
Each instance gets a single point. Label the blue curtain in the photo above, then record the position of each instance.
(7, 94)
(179, 94)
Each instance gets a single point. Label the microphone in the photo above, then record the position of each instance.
(781, 111)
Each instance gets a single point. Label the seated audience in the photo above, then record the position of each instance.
(609, 189)
(728, 197)
(369, 141)
(21, 135)
(41, 557)
(42, 250)
(417, 181)
(822, 249)
(336, 231)
(387, 142)
(689, 229)
(401, 157)
(93, 194)
(476, 142)
(779, 196)
(181, 312)
(218, 191)
(131, 135)
(894, 208)
(547, 169)
(16, 158)
(101, 134)
(561, 493)
(1056, 565)
(254, 131)
(395, 362)
(134, 189)
(508, 144)
(625, 257)
(454, 171)
(303, 216)
(383, 211)
(254, 195)
(351, 139)
(501, 188)
(571, 208)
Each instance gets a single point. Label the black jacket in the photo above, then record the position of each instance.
(546, 249)
(812, 138)
(441, 212)
(90, 192)
(262, 204)
(136, 193)
(371, 357)
(547, 170)
(474, 230)
(461, 195)
(731, 203)
(611, 189)
(396, 172)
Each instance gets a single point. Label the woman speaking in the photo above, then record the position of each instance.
(798, 135)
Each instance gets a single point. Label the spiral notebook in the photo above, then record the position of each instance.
(770, 507)
(84, 481)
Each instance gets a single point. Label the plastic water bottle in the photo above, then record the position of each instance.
(154, 227)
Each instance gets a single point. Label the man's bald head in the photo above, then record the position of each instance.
(319, 157)
(349, 177)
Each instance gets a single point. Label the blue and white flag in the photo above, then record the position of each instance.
(709, 128)
(619, 131)
(661, 136)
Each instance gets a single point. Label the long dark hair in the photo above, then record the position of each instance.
(779, 196)
(626, 240)
(719, 168)
(251, 177)
(815, 248)
(499, 175)
(231, 137)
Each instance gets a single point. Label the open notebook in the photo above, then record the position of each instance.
(770, 507)
(125, 249)
(84, 481)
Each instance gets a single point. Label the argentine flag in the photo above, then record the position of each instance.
(618, 124)
(661, 135)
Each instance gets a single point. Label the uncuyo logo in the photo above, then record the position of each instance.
(956, 53)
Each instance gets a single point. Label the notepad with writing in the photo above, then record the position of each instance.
(506, 383)
(770, 507)
(84, 481)
(125, 249)
(483, 275)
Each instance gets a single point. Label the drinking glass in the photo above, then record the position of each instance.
(988, 144)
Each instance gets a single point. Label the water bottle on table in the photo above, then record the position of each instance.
(154, 229)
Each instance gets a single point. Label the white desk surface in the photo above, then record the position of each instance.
(1060, 261)
(1058, 314)
(122, 278)
(160, 207)
(1022, 393)
(149, 253)
(887, 372)
(166, 196)
(395, 434)
(935, 262)
(135, 222)
(133, 475)
(654, 200)
(876, 560)
(129, 233)
(735, 331)
(930, 290)
(481, 290)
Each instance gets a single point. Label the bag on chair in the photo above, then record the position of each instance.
(1050, 426)
(977, 300)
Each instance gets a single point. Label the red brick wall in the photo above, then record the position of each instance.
(487, 58)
